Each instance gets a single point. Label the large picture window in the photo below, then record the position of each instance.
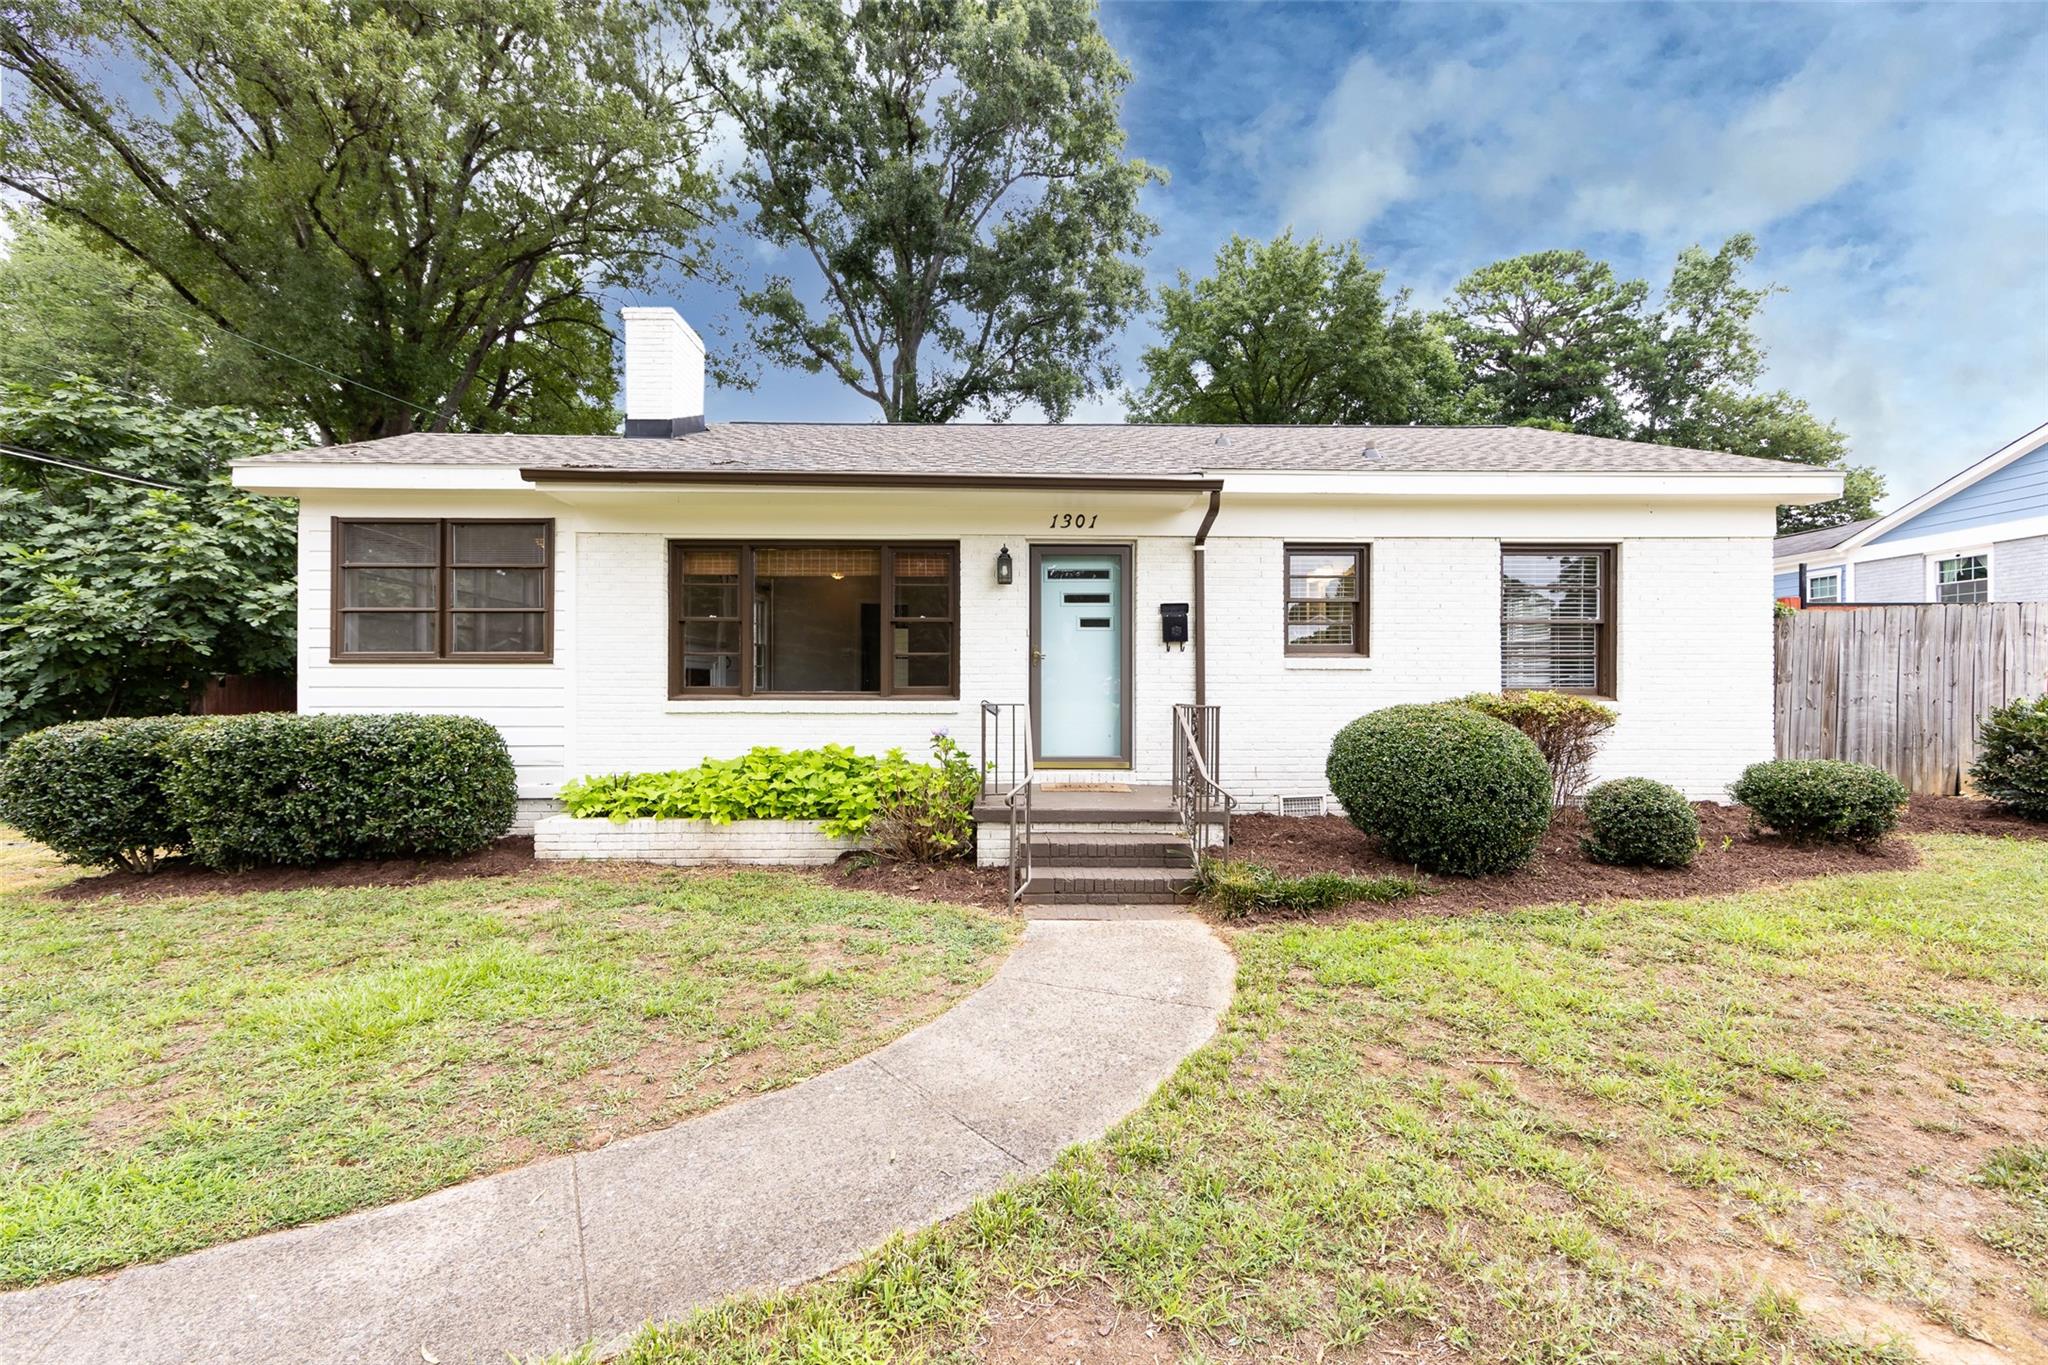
(428, 591)
(813, 619)
(1326, 595)
(1557, 618)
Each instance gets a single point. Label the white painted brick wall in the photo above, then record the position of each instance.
(1694, 658)
(1902, 578)
(2019, 570)
(689, 842)
(1694, 648)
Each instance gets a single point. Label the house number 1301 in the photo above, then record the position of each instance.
(1072, 521)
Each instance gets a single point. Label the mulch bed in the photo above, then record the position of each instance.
(1732, 860)
(505, 858)
(956, 883)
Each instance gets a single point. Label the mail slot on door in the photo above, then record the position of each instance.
(1173, 623)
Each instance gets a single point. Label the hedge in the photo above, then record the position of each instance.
(1821, 799)
(1635, 822)
(291, 789)
(1565, 727)
(1443, 787)
(93, 790)
(239, 791)
(2013, 769)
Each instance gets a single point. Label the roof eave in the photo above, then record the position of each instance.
(1188, 483)
(1948, 488)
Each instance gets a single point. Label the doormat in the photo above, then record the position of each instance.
(1086, 787)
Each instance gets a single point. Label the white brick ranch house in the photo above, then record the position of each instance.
(684, 590)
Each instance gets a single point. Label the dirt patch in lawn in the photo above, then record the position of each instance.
(1081, 1324)
(957, 883)
(1733, 858)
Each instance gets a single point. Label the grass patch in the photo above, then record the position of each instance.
(1238, 888)
(178, 1073)
(1690, 1131)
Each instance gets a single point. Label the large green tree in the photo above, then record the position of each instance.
(1543, 336)
(117, 598)
(67, 308)
(1777, 426)
(404, 209)
(952, 172)
(1287, 331)
(1556, 339)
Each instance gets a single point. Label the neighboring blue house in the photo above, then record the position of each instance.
(1981, 536)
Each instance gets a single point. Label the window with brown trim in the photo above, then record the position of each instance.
(1557, 618)
(415, 590)
(1326, 591)
(813, 619)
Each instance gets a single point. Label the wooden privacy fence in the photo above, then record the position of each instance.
(1904, 688)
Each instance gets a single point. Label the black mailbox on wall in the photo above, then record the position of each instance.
(1173, 623)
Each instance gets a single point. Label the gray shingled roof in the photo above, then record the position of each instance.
(1072, 449)
(1806, 542)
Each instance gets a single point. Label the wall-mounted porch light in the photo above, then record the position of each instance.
(1006, 568)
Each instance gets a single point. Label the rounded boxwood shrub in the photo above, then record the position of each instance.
(93, 790)
(1635, 822)
(291, 789)
(1443, 787)
(2013, 769)
(1824, 799)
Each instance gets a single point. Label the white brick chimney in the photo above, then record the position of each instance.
(664, 373)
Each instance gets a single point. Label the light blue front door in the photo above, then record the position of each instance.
(1080, 656)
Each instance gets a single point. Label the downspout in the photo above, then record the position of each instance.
(1201, 596)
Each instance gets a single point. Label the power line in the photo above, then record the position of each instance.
(39, 457)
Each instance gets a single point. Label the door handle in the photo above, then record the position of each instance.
(1037, 656)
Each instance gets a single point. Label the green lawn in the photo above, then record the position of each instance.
(1800, 1124)
(178, 1073)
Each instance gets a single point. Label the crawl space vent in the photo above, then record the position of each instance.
(1301, 805)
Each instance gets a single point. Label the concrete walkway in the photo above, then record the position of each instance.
(1077, 1028)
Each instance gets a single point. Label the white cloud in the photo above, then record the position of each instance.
(1896, 189)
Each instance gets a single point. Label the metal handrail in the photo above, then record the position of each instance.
(1197, 797)
(992, 785)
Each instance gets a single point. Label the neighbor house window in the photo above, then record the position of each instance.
(1824, 587)
(427, 591)
(1326, 589)
(1963, 578)
(813, 620)
(1557, 618)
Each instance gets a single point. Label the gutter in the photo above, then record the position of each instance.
(1201, 623)
(843, 479)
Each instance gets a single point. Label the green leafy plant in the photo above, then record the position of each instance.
(1565, 728)
(2013, 769)
(1635, 822)
(295, 789)
(924, 812)
(832, 784)
(93, 790)
(1821, 799)
(1443, 786)
(119, 599)
(1238, 888)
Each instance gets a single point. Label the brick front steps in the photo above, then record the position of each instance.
(1127, 869)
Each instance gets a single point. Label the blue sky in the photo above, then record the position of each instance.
(1893, 163)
